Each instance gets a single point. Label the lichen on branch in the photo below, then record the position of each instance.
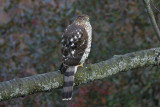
(19, 87)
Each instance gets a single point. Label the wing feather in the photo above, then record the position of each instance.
(74, 42)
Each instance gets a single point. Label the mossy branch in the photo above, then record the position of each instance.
(152, 18)
(48, 81)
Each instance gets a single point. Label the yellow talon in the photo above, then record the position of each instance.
(81, 65)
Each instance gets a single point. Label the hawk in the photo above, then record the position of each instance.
(76, 45)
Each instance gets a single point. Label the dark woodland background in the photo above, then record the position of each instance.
(30, 34)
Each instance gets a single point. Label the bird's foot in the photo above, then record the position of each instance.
(81, 65)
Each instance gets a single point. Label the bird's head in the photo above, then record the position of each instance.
(82, 18)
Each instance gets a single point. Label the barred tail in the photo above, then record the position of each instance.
(68, 82)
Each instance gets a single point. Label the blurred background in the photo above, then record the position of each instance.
(30, 35)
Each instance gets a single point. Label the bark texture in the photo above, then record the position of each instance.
(19, 87)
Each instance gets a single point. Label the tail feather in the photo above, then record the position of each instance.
(68, 82)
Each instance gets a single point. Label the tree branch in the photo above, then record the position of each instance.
(152, 18)
(45, 82)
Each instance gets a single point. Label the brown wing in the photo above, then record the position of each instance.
(74, 43)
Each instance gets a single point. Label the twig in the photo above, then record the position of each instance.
(152, 18)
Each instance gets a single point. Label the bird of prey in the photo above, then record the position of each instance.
(75, 47)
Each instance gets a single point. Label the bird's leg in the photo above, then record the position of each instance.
(81, 65)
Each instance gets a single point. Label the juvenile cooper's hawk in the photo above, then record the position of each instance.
(76, 45)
